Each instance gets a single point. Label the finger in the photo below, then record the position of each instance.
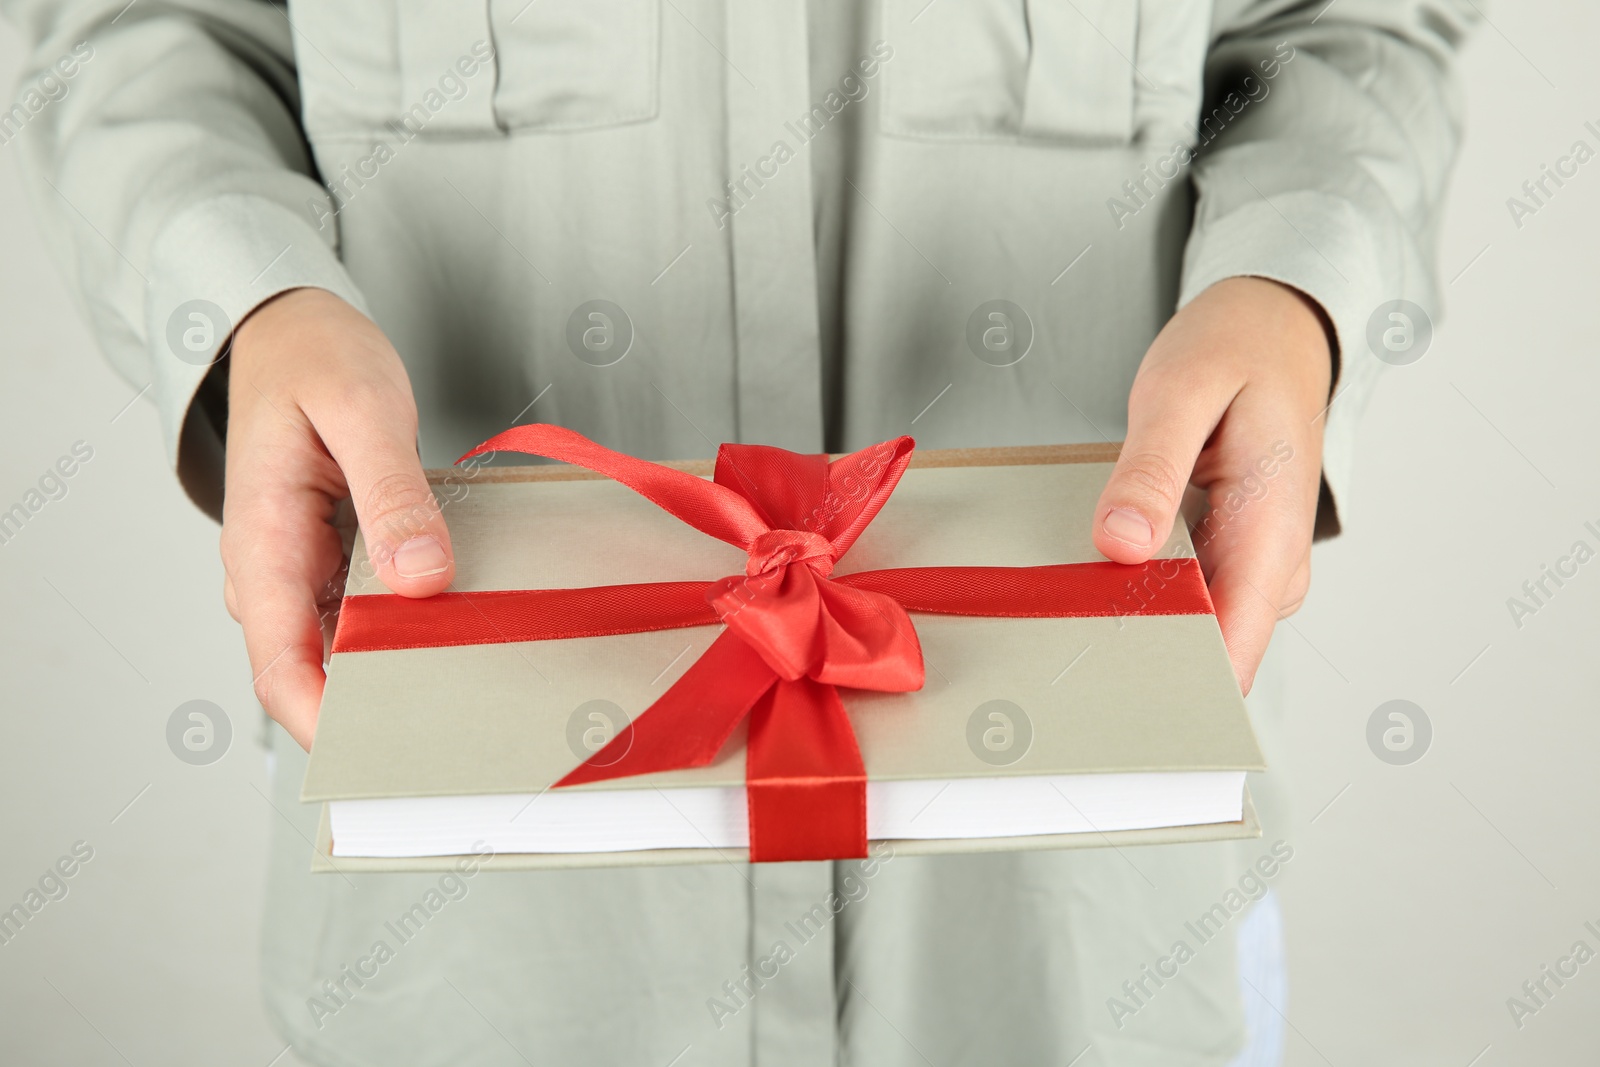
(230, 598)
(1294, 595)
(1249, 582)
(1171, 414)
(1254, 543)
(1249, 604)
(279, 550)
(372, 437)
(1247, 617)
(331, 599)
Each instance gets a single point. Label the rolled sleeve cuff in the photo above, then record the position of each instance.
(210, 267)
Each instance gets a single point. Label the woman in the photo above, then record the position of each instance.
(816, 226)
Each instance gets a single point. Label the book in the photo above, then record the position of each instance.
(1118, 728)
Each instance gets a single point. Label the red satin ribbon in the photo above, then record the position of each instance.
(794, 633)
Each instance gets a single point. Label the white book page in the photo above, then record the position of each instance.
(625, 820)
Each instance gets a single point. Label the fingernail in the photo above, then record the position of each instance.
(420, 557)
(1129, 526)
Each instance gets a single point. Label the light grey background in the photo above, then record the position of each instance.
(1420, 897)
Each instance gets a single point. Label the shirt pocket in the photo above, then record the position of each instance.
(469, 69)
(1041, 70)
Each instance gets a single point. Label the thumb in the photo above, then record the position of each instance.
(401, 522)
(1167, 428)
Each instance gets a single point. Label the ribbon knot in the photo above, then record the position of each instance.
(776, 549)
(804, 625)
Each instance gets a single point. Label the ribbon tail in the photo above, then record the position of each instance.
(691, 721)
(708, 507)
(806, 784)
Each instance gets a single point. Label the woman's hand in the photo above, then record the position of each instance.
(319, 409)
(1230, 399)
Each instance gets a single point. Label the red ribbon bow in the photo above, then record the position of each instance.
(794, 633)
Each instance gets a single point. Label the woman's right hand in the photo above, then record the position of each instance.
(319, 410)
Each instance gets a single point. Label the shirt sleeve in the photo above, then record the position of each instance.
(161, 149)
(1324, 147)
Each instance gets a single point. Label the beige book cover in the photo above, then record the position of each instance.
(1117, 694)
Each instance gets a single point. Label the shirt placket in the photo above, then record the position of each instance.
(779, 397)
(791, 957)
(778, 360)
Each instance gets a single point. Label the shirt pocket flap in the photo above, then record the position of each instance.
(575, 66)
(388, 70)
(1007, 69)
